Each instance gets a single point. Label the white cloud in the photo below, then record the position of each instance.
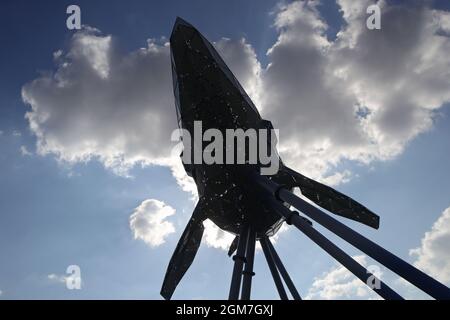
(408, 291)
(241, 59)
(433, 255)
(57, 278)
(101, 105)
(118, 109)
(1, 292)
(360, 97)
(95, 49)
(215, 237)
(339, 283)
(337, 178)
(148, 222)
(64, 279)
(185, 182)
(57, 54)
(24, 151)
(16, 133)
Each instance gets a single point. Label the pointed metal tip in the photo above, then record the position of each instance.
(180, 22)
(166, 295)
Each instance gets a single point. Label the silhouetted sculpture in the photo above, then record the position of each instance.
(238, 199)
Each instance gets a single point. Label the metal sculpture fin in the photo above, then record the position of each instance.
(334, 201)
(233, 246)
(184, 253)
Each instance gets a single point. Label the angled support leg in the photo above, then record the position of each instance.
(283, 271)
(418, 278)
(248, 269)
(348, 262)
(273, 268)
(407, 271)
(239, 260)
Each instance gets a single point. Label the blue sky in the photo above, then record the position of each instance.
(59, 207)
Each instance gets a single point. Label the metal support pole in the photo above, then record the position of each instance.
(273, 268)
(283, 272)
(239, 260)
(418, 278)
(348, 262)
(248, 269)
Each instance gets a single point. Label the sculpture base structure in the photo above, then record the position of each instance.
(237, 199)
(243, 260)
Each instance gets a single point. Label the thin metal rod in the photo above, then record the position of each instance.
(239, 260)
(418, 278)
(283, 271)
(273, 268)
(348, 262)
(248, 269)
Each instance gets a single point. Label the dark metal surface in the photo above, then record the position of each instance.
(348, 262)
(273, 269)
(248, 269)
(207, 91)
(418, 278)
(184, 253)
(408, 272)
(332, 200)
(236, 197)
(239, 260)
(287, 279)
